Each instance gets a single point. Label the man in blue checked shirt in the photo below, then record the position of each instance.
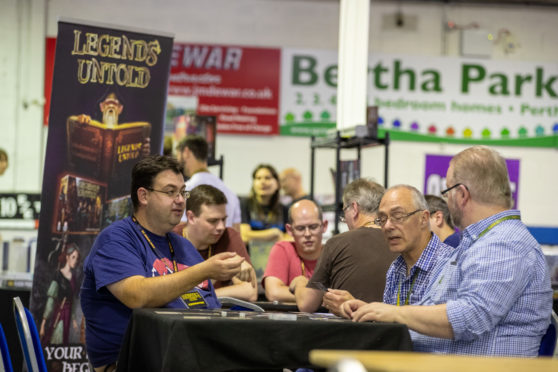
(493, 296)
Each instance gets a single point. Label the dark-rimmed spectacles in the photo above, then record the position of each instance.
(444, 192)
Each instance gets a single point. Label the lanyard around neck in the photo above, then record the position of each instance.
(153, 248)
(410, 289)
(497, 222)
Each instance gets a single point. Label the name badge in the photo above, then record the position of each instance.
(194, 299)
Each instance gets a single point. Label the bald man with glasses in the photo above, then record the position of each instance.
(292, 261)
(405, 222)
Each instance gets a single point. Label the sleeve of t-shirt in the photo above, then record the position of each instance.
(277, 264)
(322, 271)
(119, 255)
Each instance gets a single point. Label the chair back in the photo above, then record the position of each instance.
(240, 305)
(5, 361)
(29, 338)
(549, 340)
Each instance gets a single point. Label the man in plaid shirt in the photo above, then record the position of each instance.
(405, 221)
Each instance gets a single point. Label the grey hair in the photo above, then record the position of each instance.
(416, 195)
(484, 172)
(366, 193)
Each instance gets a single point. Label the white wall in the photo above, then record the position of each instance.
(292, 23)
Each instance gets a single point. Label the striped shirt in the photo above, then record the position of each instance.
(397, 280)
(496, 287)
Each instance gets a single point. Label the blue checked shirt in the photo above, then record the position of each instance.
(497, 291)
(433, 256)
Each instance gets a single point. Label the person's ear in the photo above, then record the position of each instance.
(142, 195)
(438, 218)
(324, 226)
(190, 215)
(289, 229)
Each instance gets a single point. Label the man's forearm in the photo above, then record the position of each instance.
(428, 320)
(308, 299)
(138, 291)
(241, 290)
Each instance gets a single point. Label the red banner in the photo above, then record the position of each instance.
(237, 84)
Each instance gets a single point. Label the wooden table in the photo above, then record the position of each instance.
(393, 361)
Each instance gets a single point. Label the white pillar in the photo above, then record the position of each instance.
(353, 63)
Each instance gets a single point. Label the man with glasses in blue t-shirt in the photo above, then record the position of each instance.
(138, 262)
(493, 295)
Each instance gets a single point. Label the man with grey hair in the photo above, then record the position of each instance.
(405, 221)
(493, 295)
(353, 263)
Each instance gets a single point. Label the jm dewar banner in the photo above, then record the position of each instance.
(239, 85)
(107, 112)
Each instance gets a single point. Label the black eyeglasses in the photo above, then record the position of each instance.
(444, 192)
(173, 194)
(396, 218)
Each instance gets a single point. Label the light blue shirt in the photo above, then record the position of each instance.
(497, 290)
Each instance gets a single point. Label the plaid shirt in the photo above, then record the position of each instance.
(497, 290)
(433, 256)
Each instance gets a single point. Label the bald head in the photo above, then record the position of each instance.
(291, 182)
(304, 207)
(306, 227)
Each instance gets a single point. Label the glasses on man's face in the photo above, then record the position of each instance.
(396, 218)
(301, 229)
(342, 218)
(444, 192)
(173, 194)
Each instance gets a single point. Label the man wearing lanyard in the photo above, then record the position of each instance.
(138, 262)
(206, 230)
(297, 259)
(354, 263)
(405, 222)
(493, 296)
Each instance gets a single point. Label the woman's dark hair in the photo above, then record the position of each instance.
(274, 202)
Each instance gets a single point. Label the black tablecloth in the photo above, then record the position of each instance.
(170, 340)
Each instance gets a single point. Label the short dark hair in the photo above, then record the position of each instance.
(145, 171)
(435, 204)
(3, 155)
(196, 144)
(204, 195)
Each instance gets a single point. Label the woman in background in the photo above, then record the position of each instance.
(263, 216)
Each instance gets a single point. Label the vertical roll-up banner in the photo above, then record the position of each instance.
(107, 112)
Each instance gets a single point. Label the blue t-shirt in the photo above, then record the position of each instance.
(121, 251)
